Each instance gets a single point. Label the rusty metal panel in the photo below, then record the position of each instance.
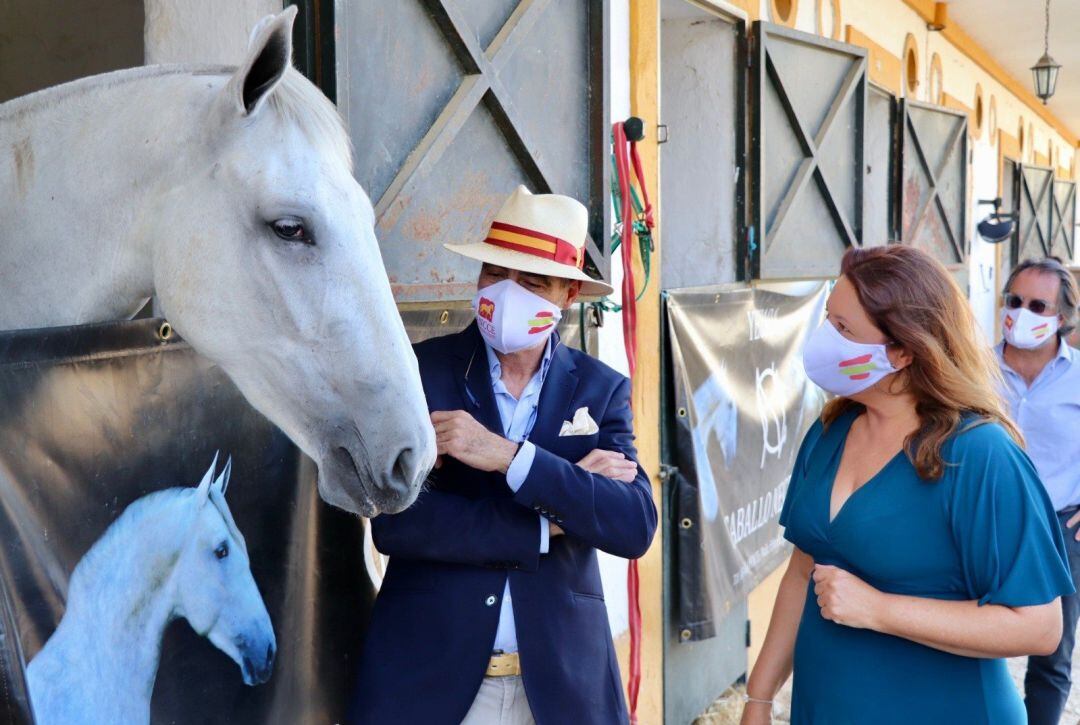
(703, 79)
(454, 104)
(1063, 221)
(808, 136)
(880, 150)
(933, 181)
(1035, 201)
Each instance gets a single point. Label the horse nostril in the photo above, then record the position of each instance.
(270, 654)
(399, 480)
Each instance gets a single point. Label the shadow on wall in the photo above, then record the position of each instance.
(59, 40)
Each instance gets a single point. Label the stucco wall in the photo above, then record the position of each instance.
(201, 31)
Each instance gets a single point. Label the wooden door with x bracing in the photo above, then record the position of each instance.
(1034, 207)
(933, 182)
(808, 135)
(453, 103)
(1063, 221)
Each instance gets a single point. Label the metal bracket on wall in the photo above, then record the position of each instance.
(667, 471)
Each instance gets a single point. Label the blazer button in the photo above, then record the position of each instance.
(490, 601)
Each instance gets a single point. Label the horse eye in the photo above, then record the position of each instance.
(291, 230)
(222, 551)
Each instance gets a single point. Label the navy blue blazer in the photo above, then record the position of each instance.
(433, 623)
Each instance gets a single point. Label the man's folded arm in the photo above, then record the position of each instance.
(613, 516)
(446, 527)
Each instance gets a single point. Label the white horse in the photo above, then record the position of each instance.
(228, 194)
(173, 553)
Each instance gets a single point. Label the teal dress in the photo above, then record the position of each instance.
(985, 530)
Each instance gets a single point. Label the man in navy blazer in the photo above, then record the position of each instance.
(492, 609)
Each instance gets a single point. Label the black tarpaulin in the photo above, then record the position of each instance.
(742, 405)
(93, 418)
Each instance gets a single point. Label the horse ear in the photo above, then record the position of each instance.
(203, 491)
(222, 482)
(269, 55)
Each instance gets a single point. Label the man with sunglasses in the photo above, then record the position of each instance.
(1042, 386)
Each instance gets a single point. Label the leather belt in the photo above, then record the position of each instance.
(504, 665)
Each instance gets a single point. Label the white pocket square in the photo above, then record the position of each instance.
(581, 425)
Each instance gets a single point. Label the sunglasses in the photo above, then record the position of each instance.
(1015, 302)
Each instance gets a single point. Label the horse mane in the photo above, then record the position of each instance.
(119, 531)
(296, 100)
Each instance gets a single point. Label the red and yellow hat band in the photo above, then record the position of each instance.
(538, 244)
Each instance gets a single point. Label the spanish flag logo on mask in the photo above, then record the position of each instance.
(540, 322)
(858, 368)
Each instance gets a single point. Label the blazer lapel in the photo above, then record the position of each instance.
(474, 380)
(555, 398)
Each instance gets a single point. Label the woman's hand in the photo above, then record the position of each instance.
(756, 713)
(845, 598)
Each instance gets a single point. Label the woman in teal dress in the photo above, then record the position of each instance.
(926, 549)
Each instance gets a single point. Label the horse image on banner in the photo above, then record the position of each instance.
(227, 195)
(173, 553)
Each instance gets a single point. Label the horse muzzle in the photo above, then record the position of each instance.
(352, 479)
(257, 667)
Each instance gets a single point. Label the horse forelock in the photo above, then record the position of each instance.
(297, 101)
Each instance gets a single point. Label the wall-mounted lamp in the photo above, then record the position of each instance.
(996, 227)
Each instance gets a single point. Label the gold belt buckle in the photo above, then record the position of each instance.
(504, 665)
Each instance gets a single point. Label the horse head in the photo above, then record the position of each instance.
(215, 590)
(265, 260)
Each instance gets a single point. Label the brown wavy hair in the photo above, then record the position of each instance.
(917, 304)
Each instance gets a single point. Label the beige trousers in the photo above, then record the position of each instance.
(500, 701)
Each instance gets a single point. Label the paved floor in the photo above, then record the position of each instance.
(727, 710)
(1018, 666)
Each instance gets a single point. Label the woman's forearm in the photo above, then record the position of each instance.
(773, 665)
(964, 628)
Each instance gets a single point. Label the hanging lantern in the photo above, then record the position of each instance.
(1045, 72)
(1045, 75)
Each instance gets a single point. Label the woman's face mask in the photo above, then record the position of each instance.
(842, 366)
(511, 318)
(1024, 329)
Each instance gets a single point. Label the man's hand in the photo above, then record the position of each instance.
(610, 464)
(459, 435)
(845, 598)
(1073, 520)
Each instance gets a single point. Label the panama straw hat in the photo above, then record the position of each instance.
(539, 234)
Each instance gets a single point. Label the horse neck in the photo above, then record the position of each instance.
(91, 159)
(120, 601)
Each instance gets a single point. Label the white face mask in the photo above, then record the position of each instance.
(842, 366)
(1024, 329)
(511, 318)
